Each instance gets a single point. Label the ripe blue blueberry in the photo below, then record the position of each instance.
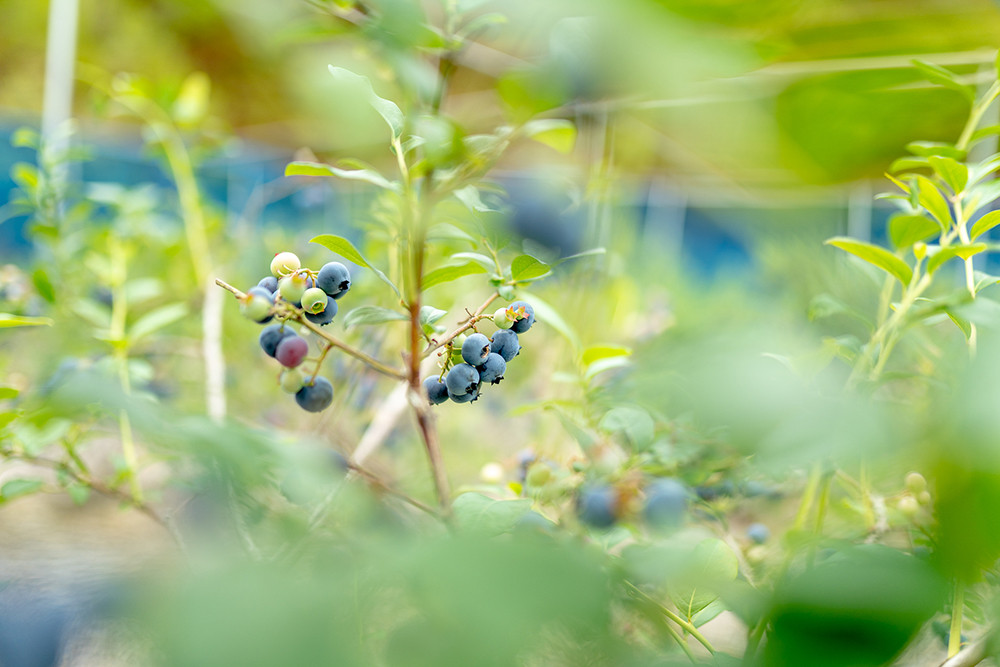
(437, 391)
(326, 316)
(492, 370)
(758, 533)
(334, 279)
(524, 314)
(597, 505)
(505, 343)
(270, 283)
(464, 398)
(475, 349)
(462, 380)
(291, 351)
(666, 503)
(272, 335)
(315, 396)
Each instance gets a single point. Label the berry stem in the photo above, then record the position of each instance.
(319, 362)
(331, 340)
(463, 326)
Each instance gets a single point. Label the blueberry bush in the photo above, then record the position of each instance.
(795, 468)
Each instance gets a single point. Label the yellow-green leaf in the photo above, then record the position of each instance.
(935, 203)
(874, 255)
(944, 254)
(984, 224)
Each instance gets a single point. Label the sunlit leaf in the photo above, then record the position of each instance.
(157, 319)
(944, 254)
(373, 315)
(984, 224)
(907, 229)
(525, 268)
(346, 249)
(305, 168)
(875, 255)
(385, 108)
(7, 320)
(446, 274)
(553, 132)
(952, 172)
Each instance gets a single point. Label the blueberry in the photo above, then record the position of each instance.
(462, 380)
(326, 316)
(291, 351)
(464, 398)
(505, 344)
(272, 335)
(270, 283)
(314, 300)
(666, 503)
(437, 391)
(597, 505)
(257, 305)
(334, 279)
(492, 369)
(285, 263)
(758, 533)
(475, 349)
(315, 397)
(524, 316)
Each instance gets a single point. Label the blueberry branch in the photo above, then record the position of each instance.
(332, 340)
(463, 326)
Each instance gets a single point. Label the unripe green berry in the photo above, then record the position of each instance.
(456, 348)
(285, 263)
(539, 474)
(915, 482)
(314, 300)
(256, 307)
(292, 287)
(501, 320)
(909, 506)
(924, 497)
(292, 380)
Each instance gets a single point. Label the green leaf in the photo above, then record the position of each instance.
(444, 231)
(952, 172)
(932, 199)
(469, 195)
(373, 315)
(526, 268)
(907, 229)
(7, 320)
(553, 132)
(25, 137)
(156, 320)
(961, 323)
(908, 163)
(875, 255)
(929, 148)
(191, 104)
(446, 274)
(346, 249)
(597, 352)
(634, 424)
(385, 108)
(475, 512)
(482, 260)
(602, 365)
(586, 253)
(712, 566)
(7, 393)
(944, 254)
(984, 224)
(942, 77)
(305, 168)
(983, 132)
(19, 487)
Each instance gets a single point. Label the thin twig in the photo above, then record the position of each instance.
(688, 627)
(463, 326)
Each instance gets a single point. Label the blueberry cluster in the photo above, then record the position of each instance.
(664, 507)
(477, 360)
(289, 293)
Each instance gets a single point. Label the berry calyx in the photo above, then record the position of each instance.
(462, 381)
(523, 316)
(285, 263)
(315, 396)
(326, 315)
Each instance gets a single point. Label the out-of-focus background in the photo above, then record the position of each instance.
(163, 502)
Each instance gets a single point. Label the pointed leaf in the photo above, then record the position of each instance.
(984, 224)
(19, 487)
(944, 254)
(942, 77)
(935, 203)
(551, 317)
(7, 320)
(874, 255)
(553, 132)
(448, 273)
(907, 229)
(346, 249)
(475, 512)
(929, 148)
(908, 163)
(387, 109)
(157, 319)
(482, 260)
(595, 352)
(305, 168)
(373, 315)
(952, 172)
(525, 268)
